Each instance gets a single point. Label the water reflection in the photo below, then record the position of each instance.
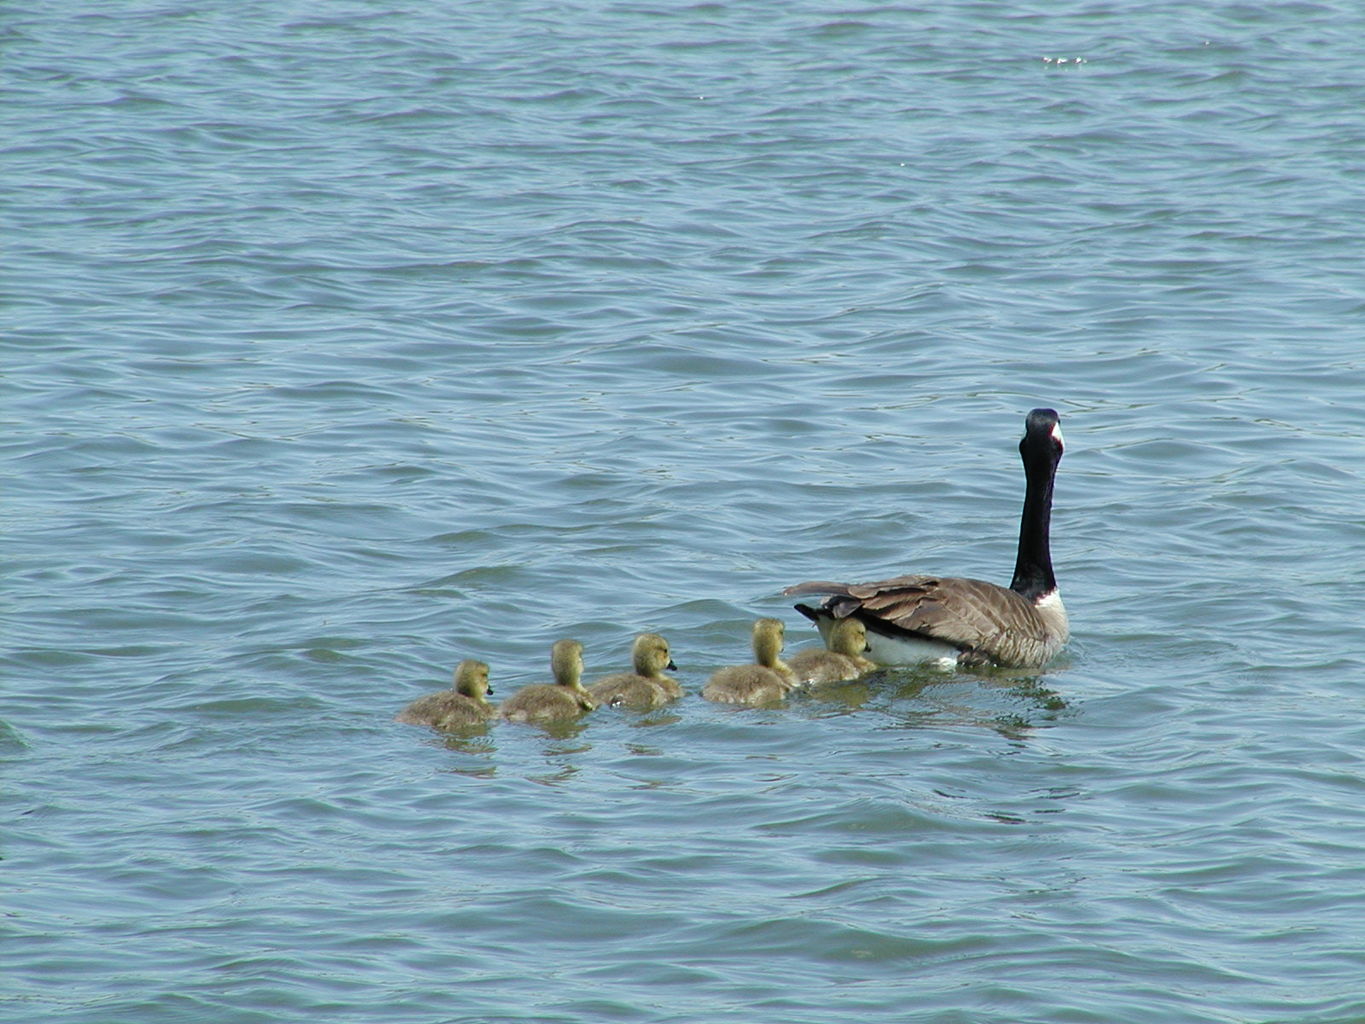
(465, 743)
(919, 700)
(655, 718)
(563, 758)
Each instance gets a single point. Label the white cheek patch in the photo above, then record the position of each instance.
(1057, 433)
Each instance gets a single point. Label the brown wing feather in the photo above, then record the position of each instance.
(972, 615)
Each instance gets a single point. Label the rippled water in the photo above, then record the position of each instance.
(346, 341)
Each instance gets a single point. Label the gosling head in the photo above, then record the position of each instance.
(651, 655)
(768, 639)
(471, 679)
(566, 662)
(848, 636)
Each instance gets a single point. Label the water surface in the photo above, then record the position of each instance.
(346, 342)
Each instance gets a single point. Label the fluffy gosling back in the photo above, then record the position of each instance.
(464, 704)
(646, 687)
(767, 680)
(844, 659)
(563, 699)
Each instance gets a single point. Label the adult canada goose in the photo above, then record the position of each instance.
(843, 659)
(913, 619)
(647, 687)
(465, 703)
(766, 680)
(562, 699)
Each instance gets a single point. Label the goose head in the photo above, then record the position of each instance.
(1041, 446)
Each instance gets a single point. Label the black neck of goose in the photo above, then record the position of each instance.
(1033, 568)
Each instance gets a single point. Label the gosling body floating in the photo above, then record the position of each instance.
(844, 658)
(561, 700)
(765, 681)
(648, 686)
(464, 704)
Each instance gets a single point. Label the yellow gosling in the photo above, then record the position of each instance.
(647, 687)
(464, 704)
(563, 699)
(844, 659)
(767, 680)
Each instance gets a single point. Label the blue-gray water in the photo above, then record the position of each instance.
(347, 340)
